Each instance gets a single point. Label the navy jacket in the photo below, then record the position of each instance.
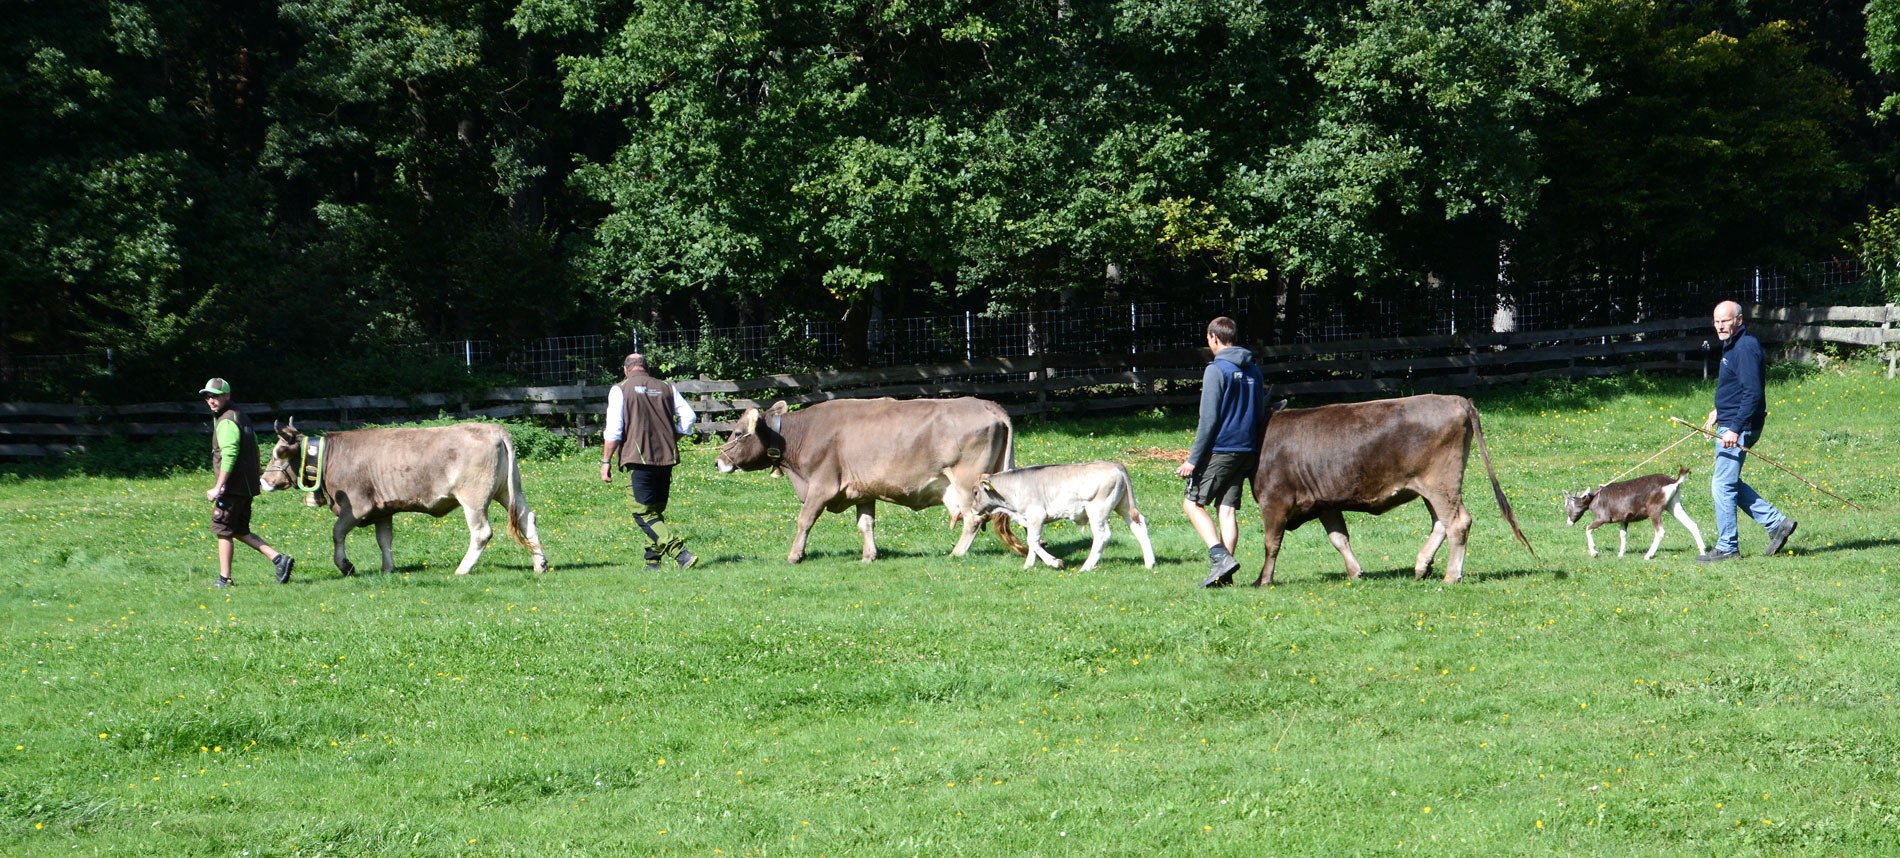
(1233, 403)
(1740, 403)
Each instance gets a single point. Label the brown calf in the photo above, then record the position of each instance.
(1633, 500)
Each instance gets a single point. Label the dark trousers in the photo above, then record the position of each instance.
(650, 486)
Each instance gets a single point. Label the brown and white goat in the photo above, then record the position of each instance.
(1633, 500)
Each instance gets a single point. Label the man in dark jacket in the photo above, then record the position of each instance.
(645, 417)
(234, 461)
(1226, 446)
(1741, 407)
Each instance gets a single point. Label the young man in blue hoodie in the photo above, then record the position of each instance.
(1226, 446)
(1741, 406)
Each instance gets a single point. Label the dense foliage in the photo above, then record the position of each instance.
(223, 184)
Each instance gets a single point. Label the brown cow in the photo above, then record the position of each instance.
(855, 452)
(369, 475)
(1371, 457)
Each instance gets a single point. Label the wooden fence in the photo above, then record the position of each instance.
(1030, 384)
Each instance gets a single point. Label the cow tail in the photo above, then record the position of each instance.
(1004, 533)
(1504, 504)
(517, 502)
(1007, 536)
(1009, 443)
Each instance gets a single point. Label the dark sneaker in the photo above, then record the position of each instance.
(284, 564)
(1717, 556)
(653, 566)
(1221, 571)
(223, 582)
(1779, 536)
(687, 559)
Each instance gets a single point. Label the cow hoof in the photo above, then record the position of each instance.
(347, 568)
(1593, 554)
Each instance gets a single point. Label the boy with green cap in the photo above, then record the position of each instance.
(234, 460)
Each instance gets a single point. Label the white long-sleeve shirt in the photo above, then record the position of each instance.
(616, 428)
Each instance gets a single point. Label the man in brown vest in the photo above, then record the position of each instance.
(234, 460)
(645, 418)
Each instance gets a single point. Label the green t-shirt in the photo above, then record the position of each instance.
(228, 434)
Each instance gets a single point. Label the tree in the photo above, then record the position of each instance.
(410, 140)
(1714, 142)
(124, 222)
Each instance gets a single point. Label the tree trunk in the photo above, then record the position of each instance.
(1504, 314)
(854, 332)
(1286, 310)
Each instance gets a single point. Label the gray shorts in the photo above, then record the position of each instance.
(1222, 478)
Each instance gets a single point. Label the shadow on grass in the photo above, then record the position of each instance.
(1437, 575)
(1850, 545)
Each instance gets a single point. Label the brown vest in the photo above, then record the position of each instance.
(649, 438)
(246, 471)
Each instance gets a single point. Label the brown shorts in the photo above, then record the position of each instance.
(1221, 479)
(231, 516)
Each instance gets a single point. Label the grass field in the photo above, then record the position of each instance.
(927, 706)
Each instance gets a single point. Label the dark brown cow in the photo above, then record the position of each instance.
(855, 452)
(1319, 463)
(369, 475)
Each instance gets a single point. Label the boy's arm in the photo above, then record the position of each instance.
(1213, 383)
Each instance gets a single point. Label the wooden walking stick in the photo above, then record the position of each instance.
(1783, 467)
(1648, 460)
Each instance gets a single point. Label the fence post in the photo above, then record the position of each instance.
(1042, 385)
(968, 337)
(1893, 347)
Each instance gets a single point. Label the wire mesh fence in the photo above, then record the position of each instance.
(794, 345)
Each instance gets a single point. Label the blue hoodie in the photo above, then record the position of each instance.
(1739, 401)
(1233, 403)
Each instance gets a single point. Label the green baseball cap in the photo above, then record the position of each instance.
(216, 385)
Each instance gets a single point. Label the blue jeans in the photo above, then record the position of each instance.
(1726, 486)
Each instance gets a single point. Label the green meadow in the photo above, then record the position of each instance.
(924, 705)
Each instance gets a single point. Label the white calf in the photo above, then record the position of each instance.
(1034, 495)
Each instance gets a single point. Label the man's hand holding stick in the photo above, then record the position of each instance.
(1784, 468)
